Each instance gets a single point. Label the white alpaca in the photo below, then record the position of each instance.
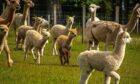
(58, 30)
(92, 9)
(21, 32)
(35, 41)
(64, 43)
(44, 24)
(106, 61)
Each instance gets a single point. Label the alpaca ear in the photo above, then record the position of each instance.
(73, 16)
(136, 6)
(8, 2)
(34, 17)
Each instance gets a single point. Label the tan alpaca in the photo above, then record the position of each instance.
(21, 19)
(58, 30)
(35, 41)
(21, 32)
(64, 43)
(106, 61)
(106, 31)
(5, 23)
(92, 9)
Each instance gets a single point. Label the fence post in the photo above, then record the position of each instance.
(84, 21)
(49, 20)
(54, 13)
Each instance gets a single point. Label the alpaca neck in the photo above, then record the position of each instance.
(69, 25)
(132, 22)
(9, 19)
(25, 15)
(69, 40)
(93, 16)
(37, 27)
(119, 50)
(43, 41)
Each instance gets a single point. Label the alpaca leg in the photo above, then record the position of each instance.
(115, 75)
(54, 45)
(26, 52)
(7, 50)
(42, 52)
(85, 75)
(38, 57)
(22, 44)
(107, 79)
(56, 53)
(34, 57)
(90, 43)
(96, 44)
(61, 56)
(17, 42)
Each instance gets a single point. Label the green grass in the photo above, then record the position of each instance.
(51, 72)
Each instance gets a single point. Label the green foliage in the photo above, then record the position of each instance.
(107, 3)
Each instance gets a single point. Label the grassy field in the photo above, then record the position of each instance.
(51, 72)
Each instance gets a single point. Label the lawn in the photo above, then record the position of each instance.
(51, 72)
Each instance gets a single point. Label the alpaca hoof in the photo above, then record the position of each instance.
(10, 63)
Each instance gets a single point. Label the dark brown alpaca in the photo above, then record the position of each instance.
(4, 24)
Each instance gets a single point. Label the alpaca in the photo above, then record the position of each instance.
(105, 31)
(92, 9)
(64, 45)
(45, 24)
(21, 32)
(21, 19)
(37, 41)
(14, 5)
(58, 30)
(106, 61)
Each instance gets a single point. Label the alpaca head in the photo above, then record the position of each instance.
(70, 19)
(14, 4)
(123, 36)
(73, 32)
(3, 30)
(136, 10)
(45, 33)
(29, 3)
(93, 7)
(38, 20)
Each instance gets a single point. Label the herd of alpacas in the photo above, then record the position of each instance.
(34, 38)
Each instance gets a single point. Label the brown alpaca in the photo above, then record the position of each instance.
(64, 45)
(106, 31)
(14, 5)
(5, 23)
